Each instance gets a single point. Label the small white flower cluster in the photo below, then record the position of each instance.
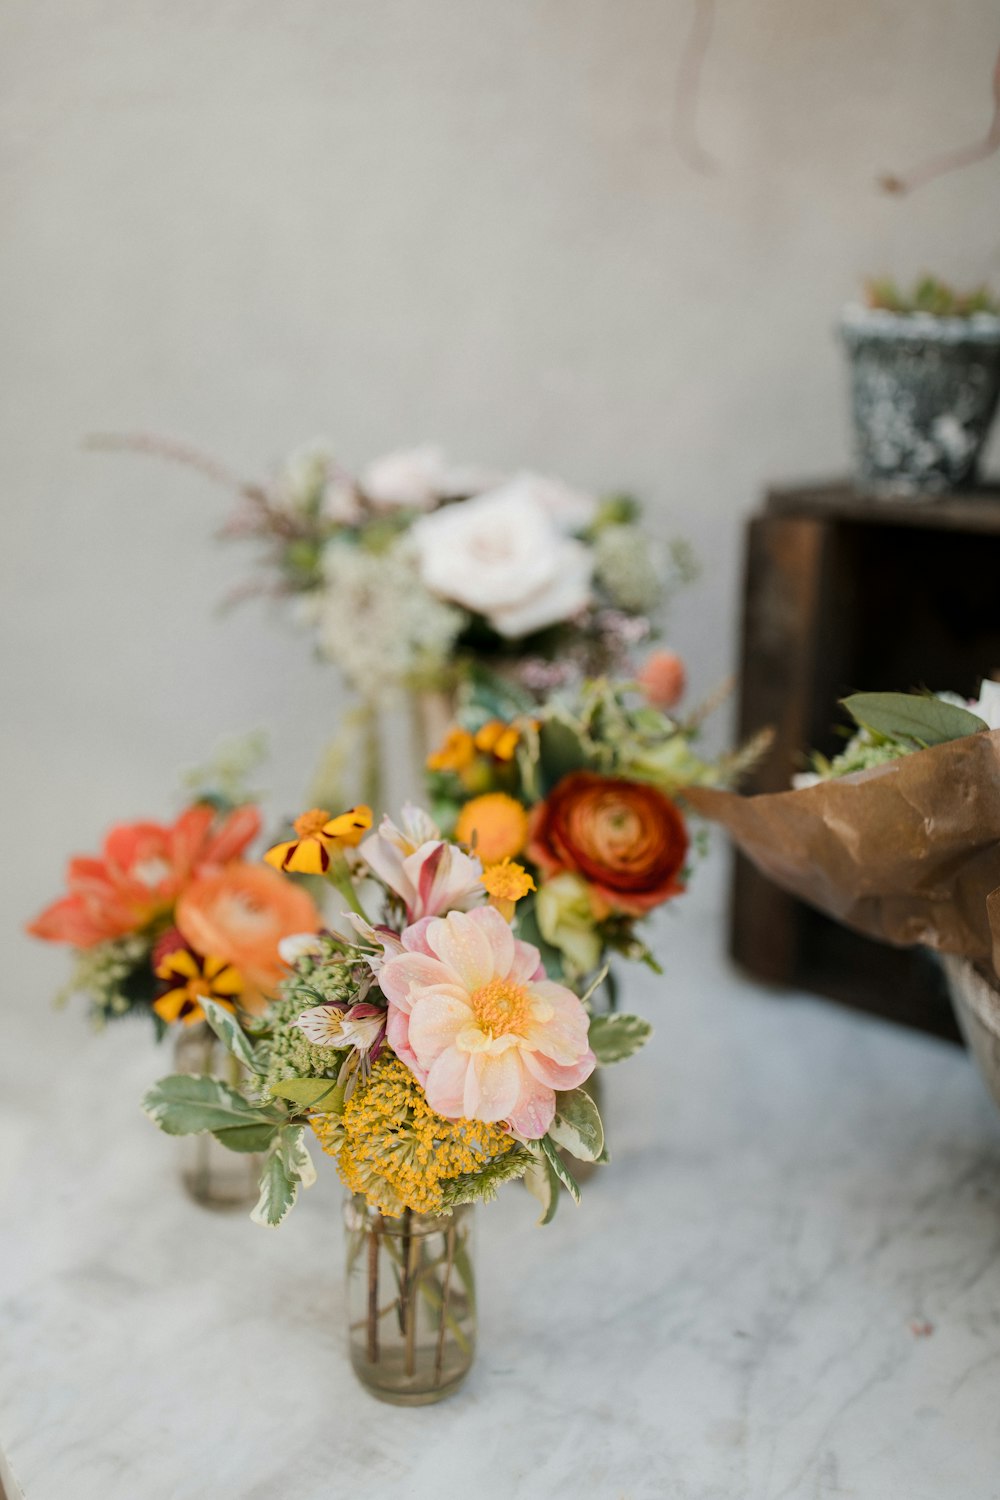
(630, 567)
(376, 621)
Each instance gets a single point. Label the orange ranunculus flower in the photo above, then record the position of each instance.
(140, 872)
(240, 914)
(625, 838)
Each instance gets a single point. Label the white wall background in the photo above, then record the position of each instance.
(245, 224)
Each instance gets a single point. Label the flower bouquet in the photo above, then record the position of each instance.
(586, 792)
(417, 572)
(898, 837)
(170, 917)
(424, 1048)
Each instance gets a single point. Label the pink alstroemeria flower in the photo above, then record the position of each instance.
(430, 875)
(474, 1018)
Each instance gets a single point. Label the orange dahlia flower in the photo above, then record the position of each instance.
(139, 874)
(624, 838)
(240, 914)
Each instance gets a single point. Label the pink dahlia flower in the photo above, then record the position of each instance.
(473, 1016)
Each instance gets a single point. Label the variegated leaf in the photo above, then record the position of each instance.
(560, 1168)
(230, 1033)
(187, 1104)
(614, 1038)
(577, 1125)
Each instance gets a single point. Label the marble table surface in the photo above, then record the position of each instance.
(786, 1285)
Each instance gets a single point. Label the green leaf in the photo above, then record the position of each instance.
(543, 1184)
(560, 1168)
(187, 1104)
(287, 1167)
(614, 1038)
(248, 1138)
(311, 1092)
(298, 1162)
(912, 716)
(577, 1125)
(560, 751)
(230, 1033)
(278, 1191)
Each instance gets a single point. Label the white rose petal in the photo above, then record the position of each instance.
(565, 597)
(572, 510)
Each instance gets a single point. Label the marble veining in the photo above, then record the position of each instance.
(786, 1288)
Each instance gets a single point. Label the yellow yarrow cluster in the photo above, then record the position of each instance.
(391, 1146)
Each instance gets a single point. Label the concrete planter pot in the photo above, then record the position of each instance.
(923, 394)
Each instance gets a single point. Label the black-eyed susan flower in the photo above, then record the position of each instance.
(188, 979)
(318, 838)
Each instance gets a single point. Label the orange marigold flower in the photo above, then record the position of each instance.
(456, 753)
(495, 825)
(190, 979)
(505, 884)
(318, 837)
(498, 739)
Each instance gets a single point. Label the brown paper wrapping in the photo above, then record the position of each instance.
(908, 852)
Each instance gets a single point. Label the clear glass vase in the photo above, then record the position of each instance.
(214, 1176)
(411, 1304)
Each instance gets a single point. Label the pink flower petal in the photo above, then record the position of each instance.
(434, 1023)
(527, 965)
(402, 974)
(397, 1035)
(493, 1086)
(559, 1076)
(445, 1083)
(563, 1036)
(465, 947)
(535, 1109)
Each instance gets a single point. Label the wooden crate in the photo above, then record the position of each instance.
(843, 595)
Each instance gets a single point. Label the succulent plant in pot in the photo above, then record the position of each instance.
(925, 378)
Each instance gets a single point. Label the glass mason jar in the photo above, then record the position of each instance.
(213, 1175)
(411, 1302)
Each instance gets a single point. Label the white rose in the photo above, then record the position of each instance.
(502, 556)
(419, 478)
